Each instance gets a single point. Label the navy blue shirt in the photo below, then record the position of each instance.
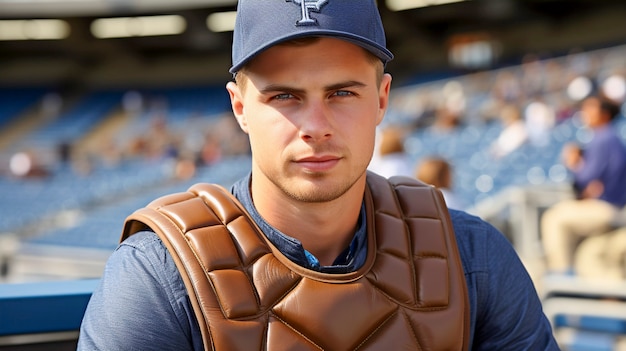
(605, 160)
(142, 304)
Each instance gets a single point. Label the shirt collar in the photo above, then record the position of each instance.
(351, 259)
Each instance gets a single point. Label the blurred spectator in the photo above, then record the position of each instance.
(599, 183)
(504, 91)
(437, 171)
(161, 141)
(211, 151)
(184, 168)
(447, 120)
(513, 134)
(232, 140)
(540, 119)
(390, 158)
(158, 143)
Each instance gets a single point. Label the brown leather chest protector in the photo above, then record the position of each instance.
(409, 295)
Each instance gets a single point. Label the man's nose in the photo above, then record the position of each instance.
(316, 123)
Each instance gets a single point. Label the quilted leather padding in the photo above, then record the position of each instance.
(410, 294)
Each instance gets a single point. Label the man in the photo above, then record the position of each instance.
(326, 256)
(599, 172)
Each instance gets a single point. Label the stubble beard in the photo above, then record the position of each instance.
(318, 188)
(314, 187)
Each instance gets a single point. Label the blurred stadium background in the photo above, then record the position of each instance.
(107, 104)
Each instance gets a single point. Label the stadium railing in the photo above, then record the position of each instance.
(39, 316)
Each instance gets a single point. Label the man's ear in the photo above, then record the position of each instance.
(236, 102)
(383, 97)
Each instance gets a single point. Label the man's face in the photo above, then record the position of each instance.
(591, 112)
(311, 113)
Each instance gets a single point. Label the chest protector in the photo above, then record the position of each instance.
(409, 295)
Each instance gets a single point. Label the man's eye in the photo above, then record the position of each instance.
(283, 96)
(343, 93)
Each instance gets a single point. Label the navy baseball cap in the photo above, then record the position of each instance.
(262, 24)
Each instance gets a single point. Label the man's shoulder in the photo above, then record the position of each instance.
(468, 228)
(144, 254)
(476, 240)
(464, 221)
(143, 246)
(143, 241)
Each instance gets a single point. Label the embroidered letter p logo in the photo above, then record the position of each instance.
(306, 6)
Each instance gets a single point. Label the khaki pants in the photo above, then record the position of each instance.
(566, 223)
(602, 256)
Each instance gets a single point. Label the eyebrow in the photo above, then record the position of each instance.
(286, 88)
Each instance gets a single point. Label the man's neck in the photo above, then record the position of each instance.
(324, 229)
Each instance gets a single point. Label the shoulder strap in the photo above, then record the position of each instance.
(422, 209)
(204, 211)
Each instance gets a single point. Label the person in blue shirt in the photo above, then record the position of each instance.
(599, 181)
(309, 91)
